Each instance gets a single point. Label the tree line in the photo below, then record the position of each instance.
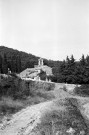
(14, 65)
(72, 71)
(66, 71)
(18, 61)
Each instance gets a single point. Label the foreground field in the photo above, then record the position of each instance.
(63, 114)
(48, 118)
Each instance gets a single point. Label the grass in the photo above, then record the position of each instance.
(59, 117)
(8, 105)
(33, 92)
(23, 95)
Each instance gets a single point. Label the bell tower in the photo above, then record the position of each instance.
(40, 62)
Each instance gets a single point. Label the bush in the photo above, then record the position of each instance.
(64, 88)
(83, 90)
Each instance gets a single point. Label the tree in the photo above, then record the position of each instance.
(18, 64)
(72, 60)
(13, 63)
(62, 72)
(0, 64)
(67, 60)
(4, 65)
(87, 60)
(62, 66)
(82, 60)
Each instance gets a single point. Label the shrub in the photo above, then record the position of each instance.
(83, 90)
(64, 88)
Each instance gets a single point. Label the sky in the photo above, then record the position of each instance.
(50, 29)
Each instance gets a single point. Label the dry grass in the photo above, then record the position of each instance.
(8, 105)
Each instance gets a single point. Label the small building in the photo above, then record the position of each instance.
(39, 72)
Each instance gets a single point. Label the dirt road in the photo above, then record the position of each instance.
(60, 116)
(48, 118)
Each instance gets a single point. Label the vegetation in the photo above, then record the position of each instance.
(72, 71)
(17, 61)
(16, 94)
(83, 90)
(16, 88)
(66, 71)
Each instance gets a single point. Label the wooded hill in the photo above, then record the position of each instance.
(17, 61)
(66, 71)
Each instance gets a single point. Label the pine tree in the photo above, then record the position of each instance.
(67, 60)
(72, 60)
(82, 60)
(87, 60)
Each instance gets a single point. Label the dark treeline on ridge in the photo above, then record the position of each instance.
(74, 72)
(18, 61)
(66, 71)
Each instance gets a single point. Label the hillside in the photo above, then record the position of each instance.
(27, 60)
(66, 71)
(25, 57)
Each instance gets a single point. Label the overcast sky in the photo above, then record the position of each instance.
(51, 29)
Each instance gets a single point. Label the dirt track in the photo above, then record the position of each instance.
(46, 118)
(54, 117)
